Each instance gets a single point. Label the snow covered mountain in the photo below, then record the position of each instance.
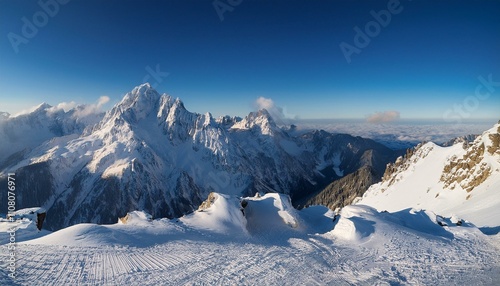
(148, 152)
(462, 180)
(466, 140)
(20, 134)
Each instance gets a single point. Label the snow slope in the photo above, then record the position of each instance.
(281, 246)
(451, 181)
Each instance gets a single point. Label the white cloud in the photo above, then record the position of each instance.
(93, 108)
(279, 114)
(383, 117)
(82, 110)
(265, 103)
(66, 106)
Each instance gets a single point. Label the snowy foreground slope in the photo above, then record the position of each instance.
(460, 180)
(263, 241)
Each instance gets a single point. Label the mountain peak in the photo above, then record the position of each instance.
(42, 106)
(141, 100)
(4, 115)
(143, 89)
(263, 113)
(261, 119)
(179, 104)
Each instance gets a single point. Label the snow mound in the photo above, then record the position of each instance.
(220, 213)
(221, 216)
(270, 213)
(136, 218)
(354, 223)
(361, 223)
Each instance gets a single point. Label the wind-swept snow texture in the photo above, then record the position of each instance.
(263, 241)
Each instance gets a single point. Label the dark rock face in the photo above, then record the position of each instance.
(470, 170)
(110, 198)
(34, 185)
(40, 217)
(342, 192)
(363, 168)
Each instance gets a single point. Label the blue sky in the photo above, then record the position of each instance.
(424, 64)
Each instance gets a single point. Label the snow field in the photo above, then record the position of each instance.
(360, 247)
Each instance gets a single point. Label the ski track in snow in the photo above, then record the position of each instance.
(361, 247)
(307, 260)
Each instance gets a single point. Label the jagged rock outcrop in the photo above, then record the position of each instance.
(402, 163)
(494, 148)
(471, 169)
(206, 204)
(135, 217)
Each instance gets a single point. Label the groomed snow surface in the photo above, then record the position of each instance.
(267, 242)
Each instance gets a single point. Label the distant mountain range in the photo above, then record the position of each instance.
(149, 153)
